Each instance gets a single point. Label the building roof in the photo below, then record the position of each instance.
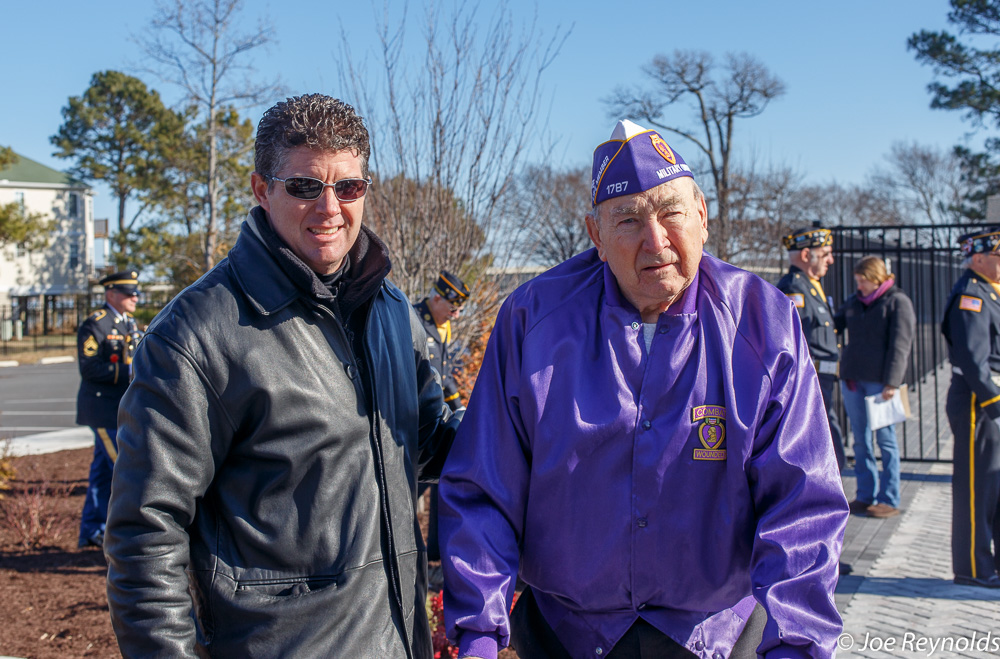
(26, 170)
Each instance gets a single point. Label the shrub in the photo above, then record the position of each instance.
(7, 471)
(29, 516)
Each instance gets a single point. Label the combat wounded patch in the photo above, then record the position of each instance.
(711, 432)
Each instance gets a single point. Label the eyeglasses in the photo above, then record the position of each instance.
(305, 187)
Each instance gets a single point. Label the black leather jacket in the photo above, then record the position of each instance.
(251, 464)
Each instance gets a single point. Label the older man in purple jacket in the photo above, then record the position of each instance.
(646, 446)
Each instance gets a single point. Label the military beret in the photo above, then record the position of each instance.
(126, 281)
(807, 237)
(977, 242)
(633, 160)
(451, 288)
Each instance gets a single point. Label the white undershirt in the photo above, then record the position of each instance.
(648, 330)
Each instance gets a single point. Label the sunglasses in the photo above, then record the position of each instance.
(304, 187)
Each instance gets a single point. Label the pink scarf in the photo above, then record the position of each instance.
(877, 293)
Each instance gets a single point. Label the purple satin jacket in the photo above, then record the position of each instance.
(679, 485)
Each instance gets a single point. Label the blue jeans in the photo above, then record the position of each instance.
(864, 454)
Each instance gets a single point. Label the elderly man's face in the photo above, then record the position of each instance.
(652, 242)
(320, 231)
(819, 261)
(988, 265)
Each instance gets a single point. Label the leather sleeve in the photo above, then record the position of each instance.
(437, 424)
(171, 437)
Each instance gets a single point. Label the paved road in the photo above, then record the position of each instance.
(38, 398)
(38, 408)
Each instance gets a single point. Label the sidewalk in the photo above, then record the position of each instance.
(900, 601)
(50, 442)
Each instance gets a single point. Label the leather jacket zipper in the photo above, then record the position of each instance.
(379, 466)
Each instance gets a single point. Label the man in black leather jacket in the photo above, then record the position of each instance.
(282, 412)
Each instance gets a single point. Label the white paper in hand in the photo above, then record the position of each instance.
(882, 413)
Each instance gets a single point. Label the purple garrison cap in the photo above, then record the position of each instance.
(633, 160)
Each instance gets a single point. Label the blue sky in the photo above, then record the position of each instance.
(852, 87)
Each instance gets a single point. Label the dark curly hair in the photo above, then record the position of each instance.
(315, 121)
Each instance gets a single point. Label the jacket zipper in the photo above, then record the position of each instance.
(379, 465)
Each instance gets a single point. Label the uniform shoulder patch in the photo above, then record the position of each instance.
(970, 303)
(100, 313)
(798, 299)
(90, 346)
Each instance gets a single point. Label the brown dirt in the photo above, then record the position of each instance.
(53, 597)
(54, 602)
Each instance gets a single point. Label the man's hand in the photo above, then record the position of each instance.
(888, 392)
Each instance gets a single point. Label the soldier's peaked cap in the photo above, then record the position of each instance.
(451, 288)
(126, 281)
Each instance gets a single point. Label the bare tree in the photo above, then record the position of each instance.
(927, 182)
(449, 131)
(739, 89)
(834, 204)
(548, 208)
(199, 46)
(765, 204)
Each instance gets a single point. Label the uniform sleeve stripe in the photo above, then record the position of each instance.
(990, 401)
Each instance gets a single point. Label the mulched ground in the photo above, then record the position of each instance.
(52, 595)
(54, 601)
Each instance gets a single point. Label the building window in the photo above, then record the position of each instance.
(19, 198)
(20, 250)
(74, 204)
(74, 255)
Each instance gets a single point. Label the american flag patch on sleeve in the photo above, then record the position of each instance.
(969, 303)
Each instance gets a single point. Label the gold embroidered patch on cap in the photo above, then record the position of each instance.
(662, 148)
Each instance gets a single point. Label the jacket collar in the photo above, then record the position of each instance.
(272, 277)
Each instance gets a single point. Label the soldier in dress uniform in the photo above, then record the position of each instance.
(442, 305)
(436, 311)
(972, 328)
(105, 343)
(810, 253)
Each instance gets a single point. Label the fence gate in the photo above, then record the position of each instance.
(926, 262)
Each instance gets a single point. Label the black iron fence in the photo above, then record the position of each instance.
(926, 262)
(50, 324)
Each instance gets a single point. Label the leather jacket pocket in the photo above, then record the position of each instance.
(285, 588)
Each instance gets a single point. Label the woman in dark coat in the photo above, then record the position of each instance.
(880, 324)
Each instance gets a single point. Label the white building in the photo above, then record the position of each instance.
(49, 277)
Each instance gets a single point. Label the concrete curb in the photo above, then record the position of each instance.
(8, 363)
(65, 359)
(50, 442)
